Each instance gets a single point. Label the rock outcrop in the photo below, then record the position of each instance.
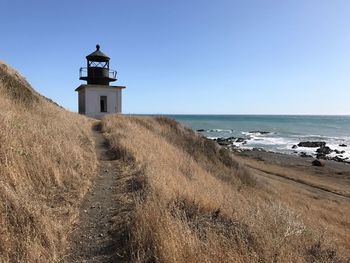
(311, 144)
(318, 162)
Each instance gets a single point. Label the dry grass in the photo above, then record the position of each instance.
(47, 159)
(180, 197)
(195, 203)
(302, 192)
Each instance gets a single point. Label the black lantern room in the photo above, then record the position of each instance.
(97, 71)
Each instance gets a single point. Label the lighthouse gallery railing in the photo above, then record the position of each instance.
(83, 73)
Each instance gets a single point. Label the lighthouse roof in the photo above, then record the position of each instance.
(97, 55)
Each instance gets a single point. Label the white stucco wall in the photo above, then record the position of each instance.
(92, 100)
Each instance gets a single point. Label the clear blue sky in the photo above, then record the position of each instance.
(216, 57)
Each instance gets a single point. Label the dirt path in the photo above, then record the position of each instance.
(92, 239)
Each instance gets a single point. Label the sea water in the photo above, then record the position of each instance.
(274, 133)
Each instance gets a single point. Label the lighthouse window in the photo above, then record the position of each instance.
(96, 64)
(103, 103)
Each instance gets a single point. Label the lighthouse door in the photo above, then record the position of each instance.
(103, 103)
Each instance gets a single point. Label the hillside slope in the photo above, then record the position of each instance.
(47, 160)
(193, 202)
(179, 197)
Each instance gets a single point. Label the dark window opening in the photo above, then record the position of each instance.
(103, 103)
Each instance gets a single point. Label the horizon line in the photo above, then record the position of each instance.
(238, 114)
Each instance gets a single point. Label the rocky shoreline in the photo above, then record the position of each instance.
(322, 151)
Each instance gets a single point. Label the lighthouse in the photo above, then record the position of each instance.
(97, 97)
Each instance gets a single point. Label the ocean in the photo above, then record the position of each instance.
(277, 133)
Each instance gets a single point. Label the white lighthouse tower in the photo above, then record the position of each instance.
(97, 98)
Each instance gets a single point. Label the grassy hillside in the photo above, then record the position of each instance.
(193, 202)
(179, 196)
(47, 159)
